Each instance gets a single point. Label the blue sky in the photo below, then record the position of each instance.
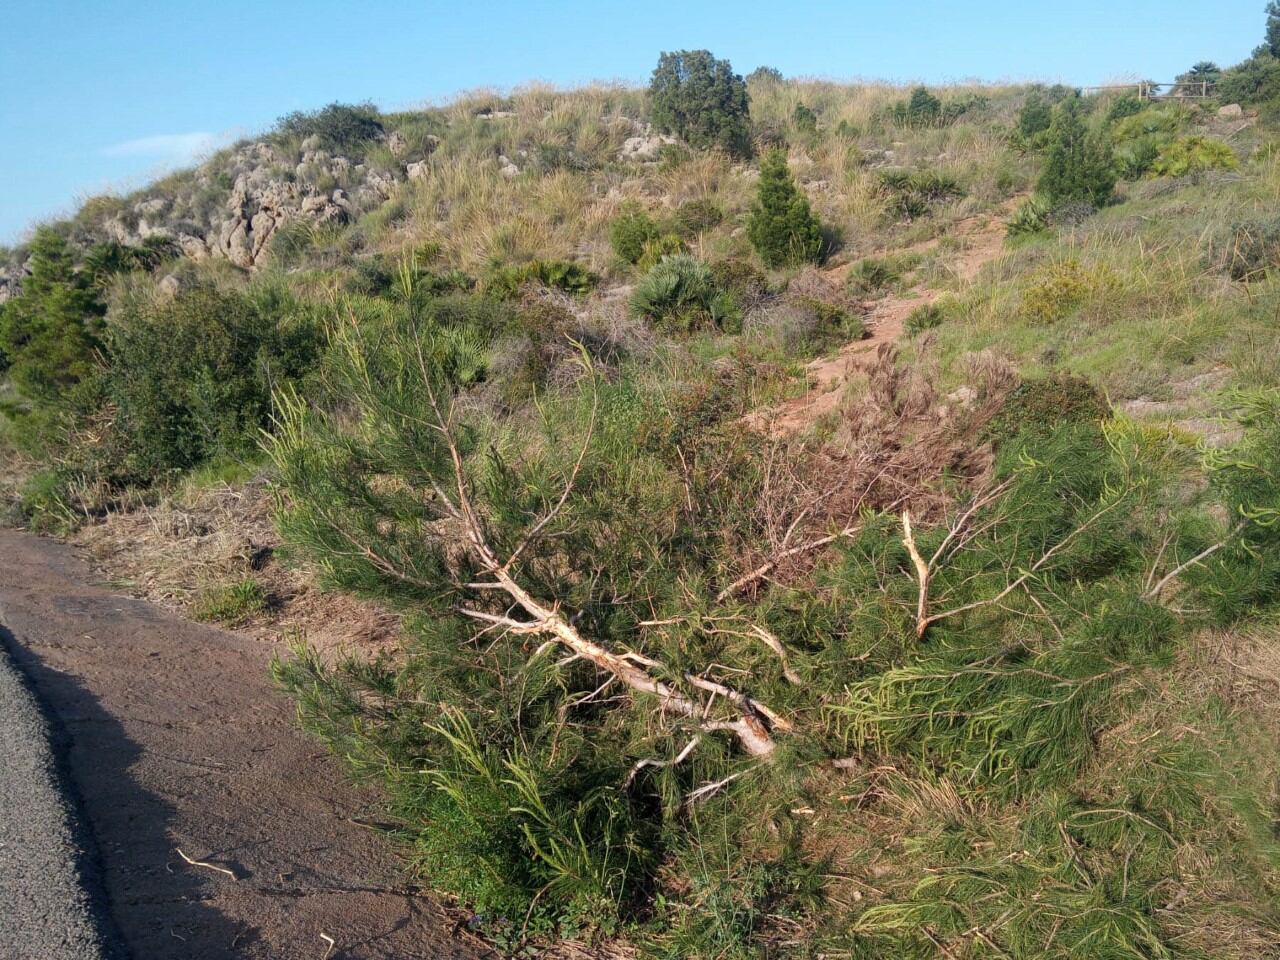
(103, 94)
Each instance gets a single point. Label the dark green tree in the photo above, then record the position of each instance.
(1036, 115)
(782, 228)
(1079, 166)
(50, 332)
(701, 100)
(805, 119)
(1272, 43)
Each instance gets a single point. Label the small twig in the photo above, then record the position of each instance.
(206, 864)
(709, 788)
(650, 762)
(330, 941)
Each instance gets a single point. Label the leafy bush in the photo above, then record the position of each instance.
(765, 75)
(702, 101)
(191, 378)
(1124, 106)
(1032, 216)
(1194, 154)
(630, 231)
(876, 274)
(51, 332)
(504, 283)
(921, 109)
(1256, 81)
(1078, 165)
(1035, 117)
(680, 294)
(782, 228)
(912, 193)
(1040, 406)
(805, 120)
(655, 250)
(696, 216)
(340, 127)
(924, 317)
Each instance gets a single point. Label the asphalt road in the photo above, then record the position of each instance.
(45, 912)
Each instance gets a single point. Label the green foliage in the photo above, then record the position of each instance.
(1031, 217)
(1254, 82)
(765, 75)
(191, 378)
(680, 294)
(874, 275)
(1040, 406)
(343, 128)
(1124, 106)
(702, 101)
(1195, 154)
(51, 333)
(1035, 116)
(805, 120)
(913, 193)
(921, 109)
(924, 317)
(697, 216)
(1078, 166)
(630, 231)
(1272, 37)
(658, 249)
(504, 282)
(782, 227)
(231, 604)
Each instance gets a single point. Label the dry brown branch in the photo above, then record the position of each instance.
(650, 762)
(1200, 557)
(545, 619)
(206, 865)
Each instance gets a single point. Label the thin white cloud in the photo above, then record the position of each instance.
(170, 147)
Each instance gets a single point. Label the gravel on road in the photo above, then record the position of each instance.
(45, 911)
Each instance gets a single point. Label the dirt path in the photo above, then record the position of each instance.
(982, 239)
(176, 739)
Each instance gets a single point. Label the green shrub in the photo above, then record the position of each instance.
(765, 75)
(913, 193)
(697, 216)
(655, 250)
(680, 294)
(1124, 106)
(1035, 116)
(924, 317)
(921, 109)
(781, 227)
(504, 283)
(1031, 217)
(1256, 81)
(51, 333)
(340, 127)
(1040, 406)
(630, 231)
(191, 378)
(1078, 166)
(877, 274)
(231, 604)
(1195, 154)
(702, 101)
(804, 119)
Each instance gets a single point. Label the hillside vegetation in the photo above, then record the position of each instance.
(977, 657)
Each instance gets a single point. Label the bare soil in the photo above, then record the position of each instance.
(176, 740)
(981, 239)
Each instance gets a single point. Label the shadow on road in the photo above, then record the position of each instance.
(152, 905)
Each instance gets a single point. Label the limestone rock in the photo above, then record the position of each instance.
(645, 147)
(1232, 111)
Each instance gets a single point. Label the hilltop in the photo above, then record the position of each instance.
(743, 517)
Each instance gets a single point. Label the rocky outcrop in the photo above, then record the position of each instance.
(645, 147)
